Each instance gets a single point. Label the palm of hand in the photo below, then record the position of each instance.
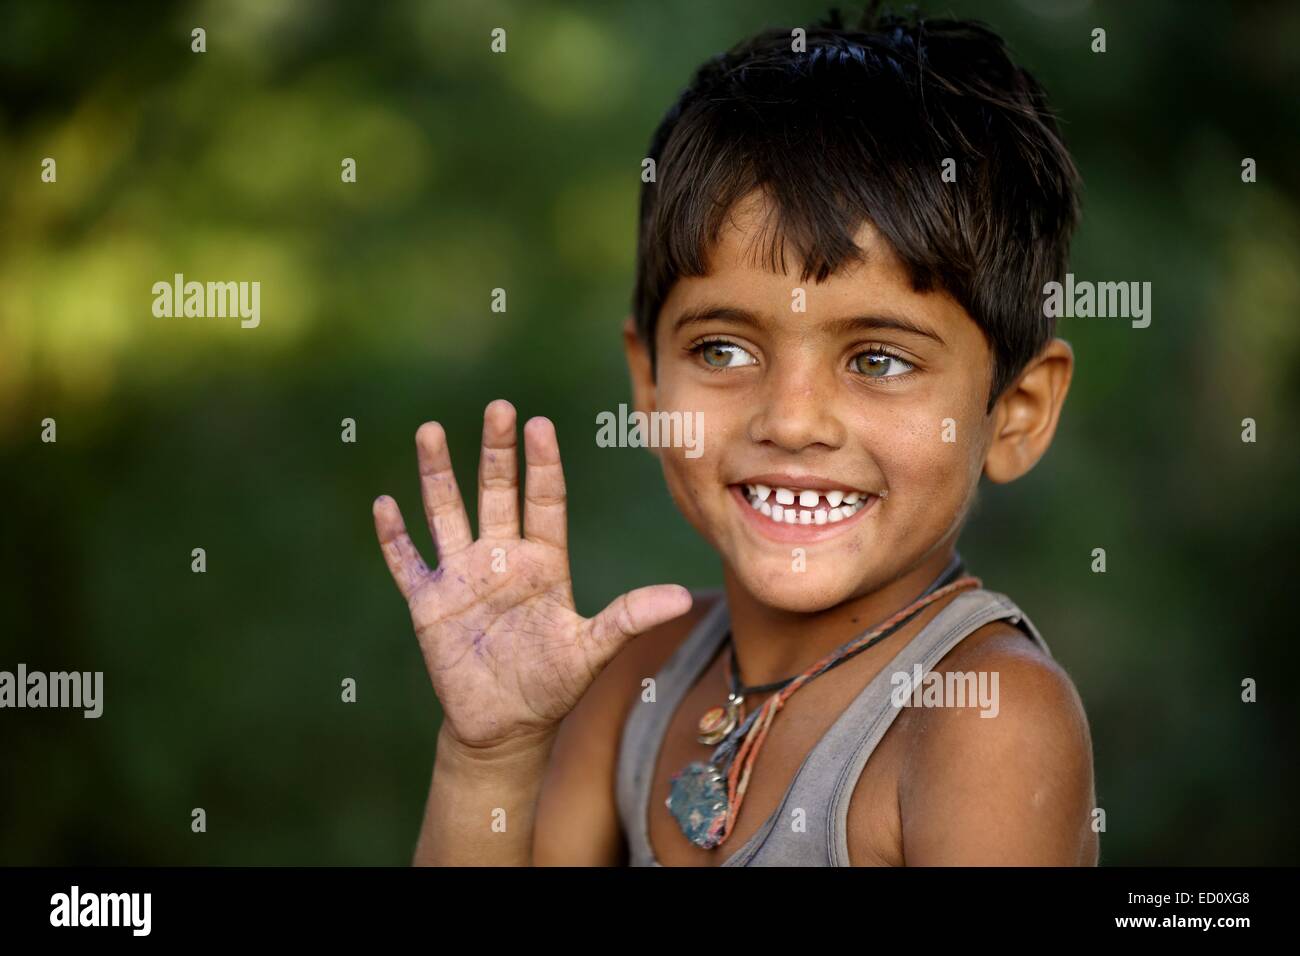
(506, 650)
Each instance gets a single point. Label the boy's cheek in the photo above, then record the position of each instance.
(684, 480)
(934, 459)
(694, 469)
(695, 476)
(930, 465)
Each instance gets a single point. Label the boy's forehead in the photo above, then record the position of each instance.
(741, 263)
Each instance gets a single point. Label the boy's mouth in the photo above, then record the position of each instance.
(792, 511)
(804, 505)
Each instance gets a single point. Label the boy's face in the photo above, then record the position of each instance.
(873, 389)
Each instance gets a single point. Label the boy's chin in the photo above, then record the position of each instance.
(799, 592)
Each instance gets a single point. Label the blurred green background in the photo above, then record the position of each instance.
(521, 171)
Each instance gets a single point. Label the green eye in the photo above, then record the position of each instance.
(723, 354)
(880, 365)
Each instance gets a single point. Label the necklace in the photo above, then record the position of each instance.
(705, 797)
(718, 722)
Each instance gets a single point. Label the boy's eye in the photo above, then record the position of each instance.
(724, 354)
(880, 365)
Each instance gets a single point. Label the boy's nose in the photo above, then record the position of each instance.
(796, 411)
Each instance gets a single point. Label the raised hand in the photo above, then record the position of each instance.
(508, 654)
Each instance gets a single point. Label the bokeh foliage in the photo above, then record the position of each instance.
(521, 171)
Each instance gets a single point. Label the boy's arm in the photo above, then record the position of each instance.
(481, 805)
(507, 653)
(1015, 789)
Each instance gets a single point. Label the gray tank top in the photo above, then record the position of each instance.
(826, 779)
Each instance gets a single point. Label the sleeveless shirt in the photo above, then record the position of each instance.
(825, 780)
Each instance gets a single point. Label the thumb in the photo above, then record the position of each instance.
(635, 613)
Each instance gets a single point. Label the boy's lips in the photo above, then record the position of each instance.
(760, 509)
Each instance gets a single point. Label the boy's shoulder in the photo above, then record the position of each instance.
(1031, 686)
(1010, 783)
(577, 820)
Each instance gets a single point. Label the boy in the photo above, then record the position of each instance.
(841, 266)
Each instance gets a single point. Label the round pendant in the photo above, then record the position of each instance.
(717, 722)
(713, 721)
(698, 801)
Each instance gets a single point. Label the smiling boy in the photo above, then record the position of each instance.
(840, 268)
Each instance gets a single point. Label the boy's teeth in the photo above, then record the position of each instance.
(780, 508)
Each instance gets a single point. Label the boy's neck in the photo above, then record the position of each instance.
(772, 644)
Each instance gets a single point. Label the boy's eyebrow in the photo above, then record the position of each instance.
(857, 323)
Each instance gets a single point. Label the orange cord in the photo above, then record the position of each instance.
(738, 775)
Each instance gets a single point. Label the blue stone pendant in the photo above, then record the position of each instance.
(698, 801)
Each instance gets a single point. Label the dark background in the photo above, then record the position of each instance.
(521, 170)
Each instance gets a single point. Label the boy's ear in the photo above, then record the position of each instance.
(1025, 417)
(638, 367)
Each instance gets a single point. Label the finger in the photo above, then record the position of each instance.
(498, 474)
(544, 509)
(635, 613)
(404, 562)
(443, 507)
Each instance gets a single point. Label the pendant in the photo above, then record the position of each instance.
(698, 801)
(717, 722)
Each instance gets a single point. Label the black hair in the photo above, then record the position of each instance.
(856, 129)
